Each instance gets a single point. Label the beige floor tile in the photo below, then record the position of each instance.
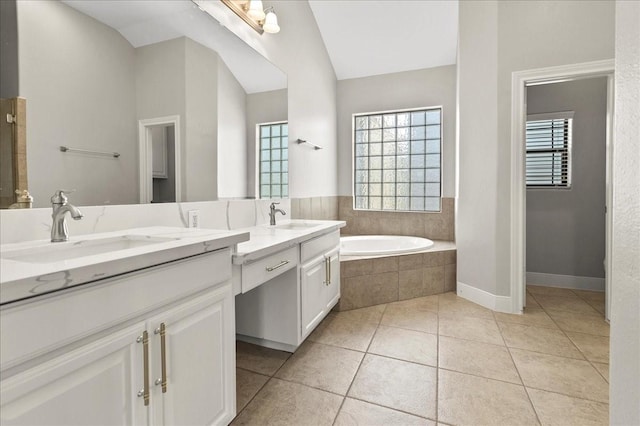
(531, 316)
(593, 323)
(248, 384)
(470, 400)
(259, 359)
(567, 304)
(320, 366)
(531, 301)
(450, 303)
(555, 409)
(428, 303)
(598, 296)
(408, 345)
(286, 403)
(360, 413)
(396, 384)
(410, 318)
(598, 305)
(480, 359)
(343, 332)
(470, 328)
(603, 369)
(537, 290)
(539, 339)
(371, 314)
(594, 348)
(571, 377)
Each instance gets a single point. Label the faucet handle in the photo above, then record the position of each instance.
(273, 205)
(60, 197)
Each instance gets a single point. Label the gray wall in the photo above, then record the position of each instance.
(93, 66)
(8, 49)
(566, 228)
(411, 89)
(232, 138)
(265, 107)
(496, 39)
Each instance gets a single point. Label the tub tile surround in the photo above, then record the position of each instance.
(435, 226)
(315, 208)
(35, 224)
(436, 374)
(372, 281)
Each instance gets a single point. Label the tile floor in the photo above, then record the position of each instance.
(438, 360)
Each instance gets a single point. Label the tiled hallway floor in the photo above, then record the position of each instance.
(438, 360)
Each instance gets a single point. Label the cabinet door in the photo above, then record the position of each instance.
(313, 292)
(199, 361)
(333, 289)
(95, 384)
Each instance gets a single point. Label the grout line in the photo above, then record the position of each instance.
(392, 408)
(566, 394)
(520, 377)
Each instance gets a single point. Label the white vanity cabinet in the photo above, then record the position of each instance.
(319, 281)
(280, 312)
(100, 353)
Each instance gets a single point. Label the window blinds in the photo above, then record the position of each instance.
(548, 162)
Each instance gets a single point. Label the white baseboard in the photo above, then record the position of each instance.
(565, 281)
(484, 298)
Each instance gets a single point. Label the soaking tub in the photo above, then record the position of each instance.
(376, 245)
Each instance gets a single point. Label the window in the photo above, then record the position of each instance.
(548, 161)
(274, 160)
(397, 160)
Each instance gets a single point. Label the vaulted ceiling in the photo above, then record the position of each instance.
(371, 37)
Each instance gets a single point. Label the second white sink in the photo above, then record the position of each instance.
(56, 252)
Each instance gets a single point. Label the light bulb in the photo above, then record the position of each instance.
(271, 23)
(255, 11)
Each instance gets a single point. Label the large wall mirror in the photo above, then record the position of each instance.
(156, 101)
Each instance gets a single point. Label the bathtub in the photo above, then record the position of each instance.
(376, 245)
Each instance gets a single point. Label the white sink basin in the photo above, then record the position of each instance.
(297, 225)
(56, 252)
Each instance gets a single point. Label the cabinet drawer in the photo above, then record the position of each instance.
(34, 328)
(262, 270)
(319, 245)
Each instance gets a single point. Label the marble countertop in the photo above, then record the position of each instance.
(266, 239)
(20, 279)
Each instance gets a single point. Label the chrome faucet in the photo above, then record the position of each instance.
(272, 213)
(59, 231)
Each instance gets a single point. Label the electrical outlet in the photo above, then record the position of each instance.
(194, 218)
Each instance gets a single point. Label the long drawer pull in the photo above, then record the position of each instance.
(279, 265)
(145, 393)
(163, 356)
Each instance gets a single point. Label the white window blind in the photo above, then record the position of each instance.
(548, 141)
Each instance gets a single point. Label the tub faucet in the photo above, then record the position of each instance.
(59, 231)
(272, 213)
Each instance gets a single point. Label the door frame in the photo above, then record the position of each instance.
(520, 80)
(145, 155)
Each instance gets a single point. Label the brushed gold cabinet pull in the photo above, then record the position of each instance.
(279, 265)
(144, 339)
(163, 355)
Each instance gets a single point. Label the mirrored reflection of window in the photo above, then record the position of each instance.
(274, 160)
(397, 160)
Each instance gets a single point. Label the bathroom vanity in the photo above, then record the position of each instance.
(139, 331)
(286, 280)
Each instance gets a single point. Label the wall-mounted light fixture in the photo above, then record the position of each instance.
(252, 12)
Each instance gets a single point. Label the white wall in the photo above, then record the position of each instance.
(264, 107)
(625, 274)
(411, 89)
(566, 227)
(298, 50)
(232, 137)
(69, 55)
(497, 38)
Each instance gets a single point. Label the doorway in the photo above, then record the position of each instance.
(159, 146)
(520, 82)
